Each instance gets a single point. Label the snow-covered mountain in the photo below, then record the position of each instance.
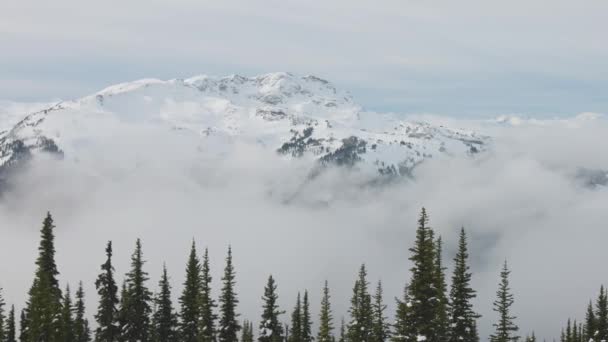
(298, 117)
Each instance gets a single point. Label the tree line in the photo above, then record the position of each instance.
(427, 311)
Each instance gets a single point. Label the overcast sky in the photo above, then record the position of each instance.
(464, 58)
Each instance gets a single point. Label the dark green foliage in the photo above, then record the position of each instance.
(2, 318)
(325, 317)
(601, 315)
(403, 329)
(247, 332)
(380, 329)
(361, 313)
(427, 307)
(271, 329)
(43, 309)
(590, 323)
(295, 333)
(306, 332)
(208, 318)
(107, 312)
(164, 319)
(441, 319)
(136, 307)
(10, 326)
(505, 327)
(67, 320)
(23, 336)
(82, 331)
(342, 337)
(189, 300)
(462, 316)
(228, 324)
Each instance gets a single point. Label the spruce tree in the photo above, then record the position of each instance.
(107, 311)
(531, 338)
(228, 324)
(271, 329)
(361, 323)
(380, 328)
(23, 331)
(442, 318)
(10, 326)
(601, 316)
(67, 319)
(295, 331)
(325, 318)
(2, 318)
(122, 318)
(189, 300)
(306, 333)
(462, 316)
(82, 332)
(137, 307)
(404, 329)
(590, 323)
(43, 308)
(426, 309)
(505, 327)
(342, 337)
(208, 318)
(247, 332)
(164, 320)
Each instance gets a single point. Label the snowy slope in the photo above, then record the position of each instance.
(298, 117)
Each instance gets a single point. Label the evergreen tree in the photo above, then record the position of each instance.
(462, 316)
(325, 317)
(2, 318)
(531, 338)
(360, 327)
(228, 324)
(23, 332)
(107, 312)
(189, 300)
(574, 333)
(247, 332)
(67, 319)
(342, 337)
(426, 309)
(137, 307)
(590, 323)
(505, 327)
(207, 326)
(295, 333)
(380, 328)
(271, 329)
(43, 308)
(403, 329)
(306, 333)
(601, 316)
(10, 326)
(442, 310)
(164, 320)
(82, 332)
(122, 312)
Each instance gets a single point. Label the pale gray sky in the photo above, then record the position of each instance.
(481, 58)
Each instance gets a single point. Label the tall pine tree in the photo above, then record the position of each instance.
(67, 319)
(360, 326)
(295, 331)
(10, 326)
(326, 327)
(107, 311)
(82, 331)
(380, 328)
(462, 317)
(164, 320)
(306, 320)
(247, 332)
(137, 306)
(505, 327)
(228, 325)
(190, 299)
(208, 318)
(403, 329)
(43, 308)
(590, 323)
(601, 316)
(271, 329)
(442, 317)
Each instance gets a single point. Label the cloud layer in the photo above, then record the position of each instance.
(520, 202)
